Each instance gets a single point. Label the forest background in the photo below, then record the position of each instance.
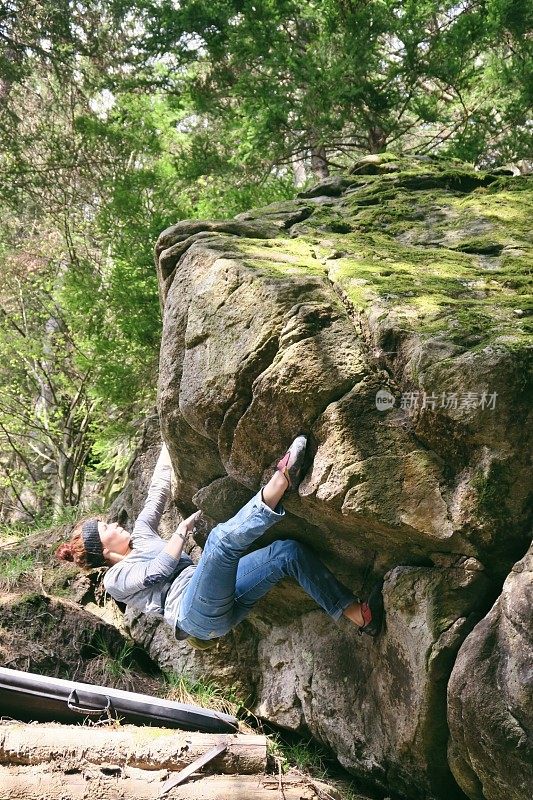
(118, 119)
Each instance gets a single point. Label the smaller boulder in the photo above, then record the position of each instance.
(490, 697)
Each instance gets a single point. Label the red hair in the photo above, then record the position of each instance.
(74, 549)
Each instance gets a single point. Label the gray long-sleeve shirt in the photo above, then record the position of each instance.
(149, 579)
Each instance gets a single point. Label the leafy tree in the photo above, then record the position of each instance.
(323, 80)
(46, 408)
(87, 184)
(498, 128)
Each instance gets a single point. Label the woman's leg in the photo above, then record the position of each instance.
(208, 604)
(207, 607)
(272, 493)
(259, 571)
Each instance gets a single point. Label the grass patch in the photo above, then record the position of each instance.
(13, 568)
(112, 665)
(290, 753)
(305, 755)
(206, 694)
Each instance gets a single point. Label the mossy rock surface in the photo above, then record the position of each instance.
(413, 274)
(443, 249)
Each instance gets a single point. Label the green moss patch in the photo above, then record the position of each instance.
(281, 257)
(437, 245)
(492, 489)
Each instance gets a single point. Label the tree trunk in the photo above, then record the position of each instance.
(298, 172)
(58, 497)
(377, 139)
(36, 783)
(318, 162)
(143, 747)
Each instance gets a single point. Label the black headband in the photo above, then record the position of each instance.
(93, 543)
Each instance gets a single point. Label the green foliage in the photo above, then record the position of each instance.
(44, 403)
(288, 78)
(221, 200)
(118, 119)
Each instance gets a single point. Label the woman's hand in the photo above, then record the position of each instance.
(187, 525)
(177, 540)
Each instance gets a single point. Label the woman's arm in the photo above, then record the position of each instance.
(130, 577)
(147, 522)
(175, 544)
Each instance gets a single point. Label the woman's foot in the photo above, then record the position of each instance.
(368, 615)
(287, 474)
(353, 612)
(291, 464)
(373, 611)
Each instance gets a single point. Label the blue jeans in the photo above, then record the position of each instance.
(227, 583)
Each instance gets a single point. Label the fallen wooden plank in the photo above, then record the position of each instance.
(148, 748)
(39, 782)
(43, 783)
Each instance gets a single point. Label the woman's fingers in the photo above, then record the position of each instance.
(190, 521)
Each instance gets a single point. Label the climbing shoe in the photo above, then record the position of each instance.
(201, 644)
(373, 611)
(292, 462)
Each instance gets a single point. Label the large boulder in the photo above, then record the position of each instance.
(490, 697)
(413, 282)
(386, 314)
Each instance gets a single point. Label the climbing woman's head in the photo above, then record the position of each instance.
(95, 543)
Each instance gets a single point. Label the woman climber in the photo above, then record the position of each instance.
(204, 602)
